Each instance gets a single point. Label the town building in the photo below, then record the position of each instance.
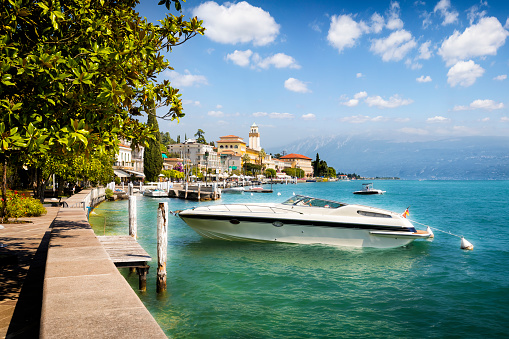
(128, 162)
(299, 161)
(254, 138)
(196, 154)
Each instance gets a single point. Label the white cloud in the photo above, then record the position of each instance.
(393, 102)
(377, 23)
(281, 115)
(416, 131)
(395, 46)
(479, 40)
(218, 106)
(185, 80)
(309, 116)
(356, 119)
(487, 104)
(438, 119)
(233, 23)
(279, 60)
(260, 114)
(240, 58)
(485, 119)
(295, 85)
(424, 51)
(423, 78)
(216, 114)
(500, 77)
(444, 7)
(359, 75)
(474, 12)
(344, 31)
(393, 21)
(248, 58)
(504, 119)
(464, 73)
(412, 64)
(355, 101)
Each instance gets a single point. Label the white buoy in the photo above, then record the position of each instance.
(466, 245)
(293, 193)
(251, 193)
(278, 193)
(430, 232)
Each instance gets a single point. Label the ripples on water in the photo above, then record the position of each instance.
(220, 289)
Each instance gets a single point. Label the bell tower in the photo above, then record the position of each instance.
(254, 138)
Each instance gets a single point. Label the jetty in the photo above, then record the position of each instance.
(125, 251)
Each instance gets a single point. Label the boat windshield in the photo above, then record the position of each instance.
(301, 200)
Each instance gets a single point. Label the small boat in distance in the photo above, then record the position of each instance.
(235, 190)
(367, 189)
(155, 193)
(304, 220)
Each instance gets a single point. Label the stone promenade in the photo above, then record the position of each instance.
(60, 283)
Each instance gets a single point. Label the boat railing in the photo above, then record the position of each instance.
(272, 208)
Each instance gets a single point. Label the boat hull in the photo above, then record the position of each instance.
(235, 228)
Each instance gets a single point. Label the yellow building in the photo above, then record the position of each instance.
(299, 161)
(232, 143)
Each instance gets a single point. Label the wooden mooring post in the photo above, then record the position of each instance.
(162, 243)
(133, 225)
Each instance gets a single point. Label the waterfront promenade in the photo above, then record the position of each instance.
(61, 283)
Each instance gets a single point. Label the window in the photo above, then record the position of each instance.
(236, 146)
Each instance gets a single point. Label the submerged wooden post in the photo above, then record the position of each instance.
(162, 243)
(133, 226)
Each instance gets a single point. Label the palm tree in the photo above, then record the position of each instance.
(261, 155)
(245, 159)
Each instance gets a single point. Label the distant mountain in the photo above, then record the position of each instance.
(455, 158)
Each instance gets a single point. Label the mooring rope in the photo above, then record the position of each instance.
(436, 229)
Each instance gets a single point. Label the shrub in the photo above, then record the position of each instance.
(21, 206)
(109, 193)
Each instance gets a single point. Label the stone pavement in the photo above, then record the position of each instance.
(22, 265)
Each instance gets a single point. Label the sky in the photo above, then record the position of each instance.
(394, 70)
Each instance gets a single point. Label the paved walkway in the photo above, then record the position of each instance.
(22, 265)
(60, 283)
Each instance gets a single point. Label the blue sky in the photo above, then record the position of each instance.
(397, 70)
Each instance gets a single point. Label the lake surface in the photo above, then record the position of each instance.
(221, 289)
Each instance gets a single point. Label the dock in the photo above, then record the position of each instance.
(84, 294)
(125, 251)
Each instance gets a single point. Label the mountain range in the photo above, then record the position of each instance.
(462, 158)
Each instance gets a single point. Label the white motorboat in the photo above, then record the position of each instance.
(367, 189)
(304, 220)
(155, 193)
(235, 190)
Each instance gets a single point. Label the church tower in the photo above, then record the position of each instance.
(254, 138)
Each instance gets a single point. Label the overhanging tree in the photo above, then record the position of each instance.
(76, 75)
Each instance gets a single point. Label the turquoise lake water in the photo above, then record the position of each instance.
(221, 289)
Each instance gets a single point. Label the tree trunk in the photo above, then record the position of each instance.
(4, 190)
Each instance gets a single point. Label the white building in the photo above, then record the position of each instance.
(198, 155)
(254, 138)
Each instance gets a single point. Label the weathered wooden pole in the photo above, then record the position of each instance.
(162, 243)
(133, 225)
(199, 186)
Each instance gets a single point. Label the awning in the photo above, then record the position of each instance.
(137, 174)
(121, 174)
